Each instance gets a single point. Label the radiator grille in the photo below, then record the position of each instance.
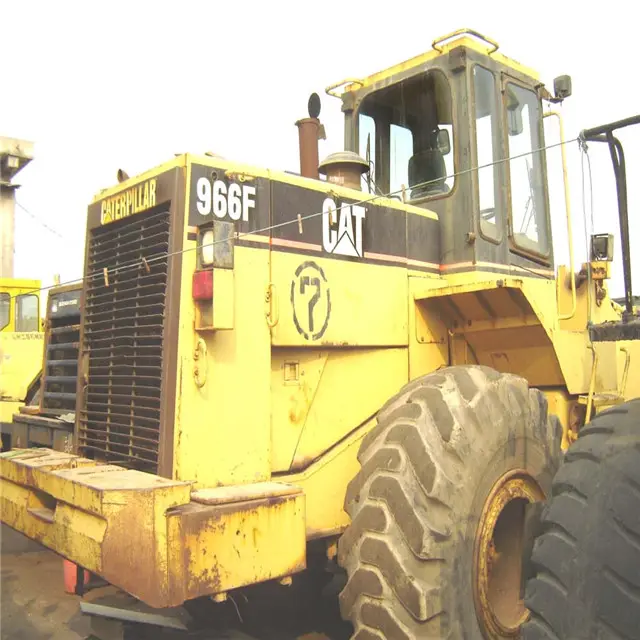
(123, 337)
(61, 363)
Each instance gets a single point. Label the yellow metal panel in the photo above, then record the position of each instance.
(428, 338)
(565, 357)
(358, 304)
(325, 483)
(8, 409)
(599, 313)
(183, 549)
(227, 400)
(20, 363)
(355, 384)
(295, 376)
(19, 285)
(224, 306)
(230, 546)
(90, 514)
(561, 405)
(178, 161)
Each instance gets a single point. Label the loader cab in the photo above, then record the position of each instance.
(437, 131)
(19, 305)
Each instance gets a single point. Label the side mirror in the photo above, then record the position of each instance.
(514, 121)
(443, 142)
(562, 87)
(602, 247)
(514, 114)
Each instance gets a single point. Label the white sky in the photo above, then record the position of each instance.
(99, 86)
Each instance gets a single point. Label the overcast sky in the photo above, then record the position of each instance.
(103, 85)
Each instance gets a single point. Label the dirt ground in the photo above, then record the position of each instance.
(34, 606)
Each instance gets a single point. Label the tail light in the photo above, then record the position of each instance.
(202, 285)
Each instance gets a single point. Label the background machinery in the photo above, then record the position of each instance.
(21, 340)
(280, 372)
(47, 418)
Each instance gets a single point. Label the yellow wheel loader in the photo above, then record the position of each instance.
(47, 418)
(372, 367)
(21, 341)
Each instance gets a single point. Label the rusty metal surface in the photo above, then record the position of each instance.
(183, 549)
(498, 554)
(216, 548)
(308, 129)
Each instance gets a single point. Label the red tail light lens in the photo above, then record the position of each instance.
(202, 285)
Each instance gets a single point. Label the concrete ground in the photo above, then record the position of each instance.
(34, 605)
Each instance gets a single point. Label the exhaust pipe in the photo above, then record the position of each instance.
(310, 130)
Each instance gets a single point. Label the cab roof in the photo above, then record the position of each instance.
(462, 38)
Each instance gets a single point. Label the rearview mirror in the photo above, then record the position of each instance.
(562, 87)
(514, 120)
(514, 114)
(444, 142)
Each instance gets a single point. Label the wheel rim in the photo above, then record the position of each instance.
(498, 553)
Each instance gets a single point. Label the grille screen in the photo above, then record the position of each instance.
(61, 364)
(123, 340)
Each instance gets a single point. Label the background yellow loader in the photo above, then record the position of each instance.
(21, 341)
(48, 416)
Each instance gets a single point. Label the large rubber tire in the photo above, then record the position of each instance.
(587, 556)
(427, 468)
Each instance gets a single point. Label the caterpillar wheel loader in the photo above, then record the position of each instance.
(373, 367)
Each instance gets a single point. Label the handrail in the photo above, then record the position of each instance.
(567, 204)
(592, 385)
(470, 32)
(330, 89)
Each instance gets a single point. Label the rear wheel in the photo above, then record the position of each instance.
(587, 556)
(437, 510)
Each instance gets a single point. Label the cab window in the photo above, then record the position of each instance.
(487, 152)
(5, 306)
(367, 148)
(527, 198)
(408, 127)
(27, 313)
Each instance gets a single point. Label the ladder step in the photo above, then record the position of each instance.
(602, 399)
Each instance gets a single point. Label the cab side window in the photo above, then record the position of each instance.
(27, 312)
(527, 196)
(487, 152)
(5, 308)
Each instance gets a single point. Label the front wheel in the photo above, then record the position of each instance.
(437, 510)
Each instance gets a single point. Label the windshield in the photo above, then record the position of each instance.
(406, 131)
(27, 313)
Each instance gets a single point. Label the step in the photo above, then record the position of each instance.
(602, 399)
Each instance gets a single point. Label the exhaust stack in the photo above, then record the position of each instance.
(310, 130)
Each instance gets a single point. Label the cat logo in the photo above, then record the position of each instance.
(342, 228)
